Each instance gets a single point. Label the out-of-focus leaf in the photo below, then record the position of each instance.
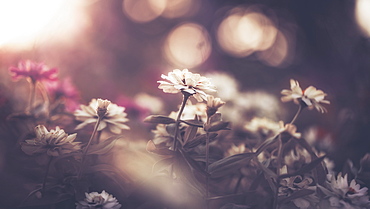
(319, 172)
(265, 144)
(199, 140)
(194, 122)
(216, 126)
(184, 170)
(162, 164)
(234, 206)
(296, 194)
(151, 147)
(20, 116)
(103, 147)
(193, 164)
(215, 118)
(190, 133)
(159, 119)
(305, 169)
(229, 164)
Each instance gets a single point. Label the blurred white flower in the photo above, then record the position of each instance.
(213, 104)
(289, 128)
(344, 195)
(227, 86)
(310, 96)
(185, 81)
(113, 119)
(263, 126)
(95, 200)
(53, 143)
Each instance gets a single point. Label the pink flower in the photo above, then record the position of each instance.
(65, 90)
(34, 71)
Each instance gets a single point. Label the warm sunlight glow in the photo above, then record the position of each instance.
(143, 10)
(188, 45)
(245, 31)
(25, 22)
(362, 13)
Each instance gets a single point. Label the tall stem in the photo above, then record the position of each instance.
(32, 95)
(87, 147)
(177, 124)
(296, 115)
(46, 174)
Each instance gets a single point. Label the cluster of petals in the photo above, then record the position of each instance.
(53, 143)
(95, 200)
(65, 90)
(311, 96)
(344, 195)
(213, 104)
(34, 71)
(185, 81)
(113, 119)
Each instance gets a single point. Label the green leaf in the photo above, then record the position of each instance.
(190, 133)
(199, 140)
(216, 126)
(103, 147)
(159, 119)
(229, 164)
(194, 122)
(162, 164)
(304, 169)
(296, 194)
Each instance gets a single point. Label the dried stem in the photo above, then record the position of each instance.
(296, 115)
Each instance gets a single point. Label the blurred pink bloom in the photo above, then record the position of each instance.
(64, 89)
(34, 71)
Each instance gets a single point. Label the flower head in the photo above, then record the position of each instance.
(344, 195)
(53, 143)
(64, 89)
(114, 117)
(34, 71)
(291, 129)
(213, 104)
(311, 97)
(95, 200)
(187, 82)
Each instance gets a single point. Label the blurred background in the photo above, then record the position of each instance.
(118, 49)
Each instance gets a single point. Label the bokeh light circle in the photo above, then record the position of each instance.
(187, 45)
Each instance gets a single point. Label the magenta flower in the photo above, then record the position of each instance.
(65, 90)
(34, 71)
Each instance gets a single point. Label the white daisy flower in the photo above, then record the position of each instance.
(112, 116)
(310, 96)
(95, 200)
(185, 81)
(53, 143)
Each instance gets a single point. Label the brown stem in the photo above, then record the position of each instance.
(46, 174)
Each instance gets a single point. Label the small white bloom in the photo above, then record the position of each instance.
(113, 119)
(95, 200)
(310, 96)
(263, 126)
(185, 81)
(53, 143)
(102, 107)
(213, 104)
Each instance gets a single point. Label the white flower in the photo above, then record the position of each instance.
(310, 96)
(343, 195)
(102, 107)
(264, 126)
(213, 104)
(53, 143)
(185, 81)
(113, 119)
(94, 200)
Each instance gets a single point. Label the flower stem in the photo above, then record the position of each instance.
(296, 115)
(32, 95)
(46, 174)
(177, 124)
(87, 148)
